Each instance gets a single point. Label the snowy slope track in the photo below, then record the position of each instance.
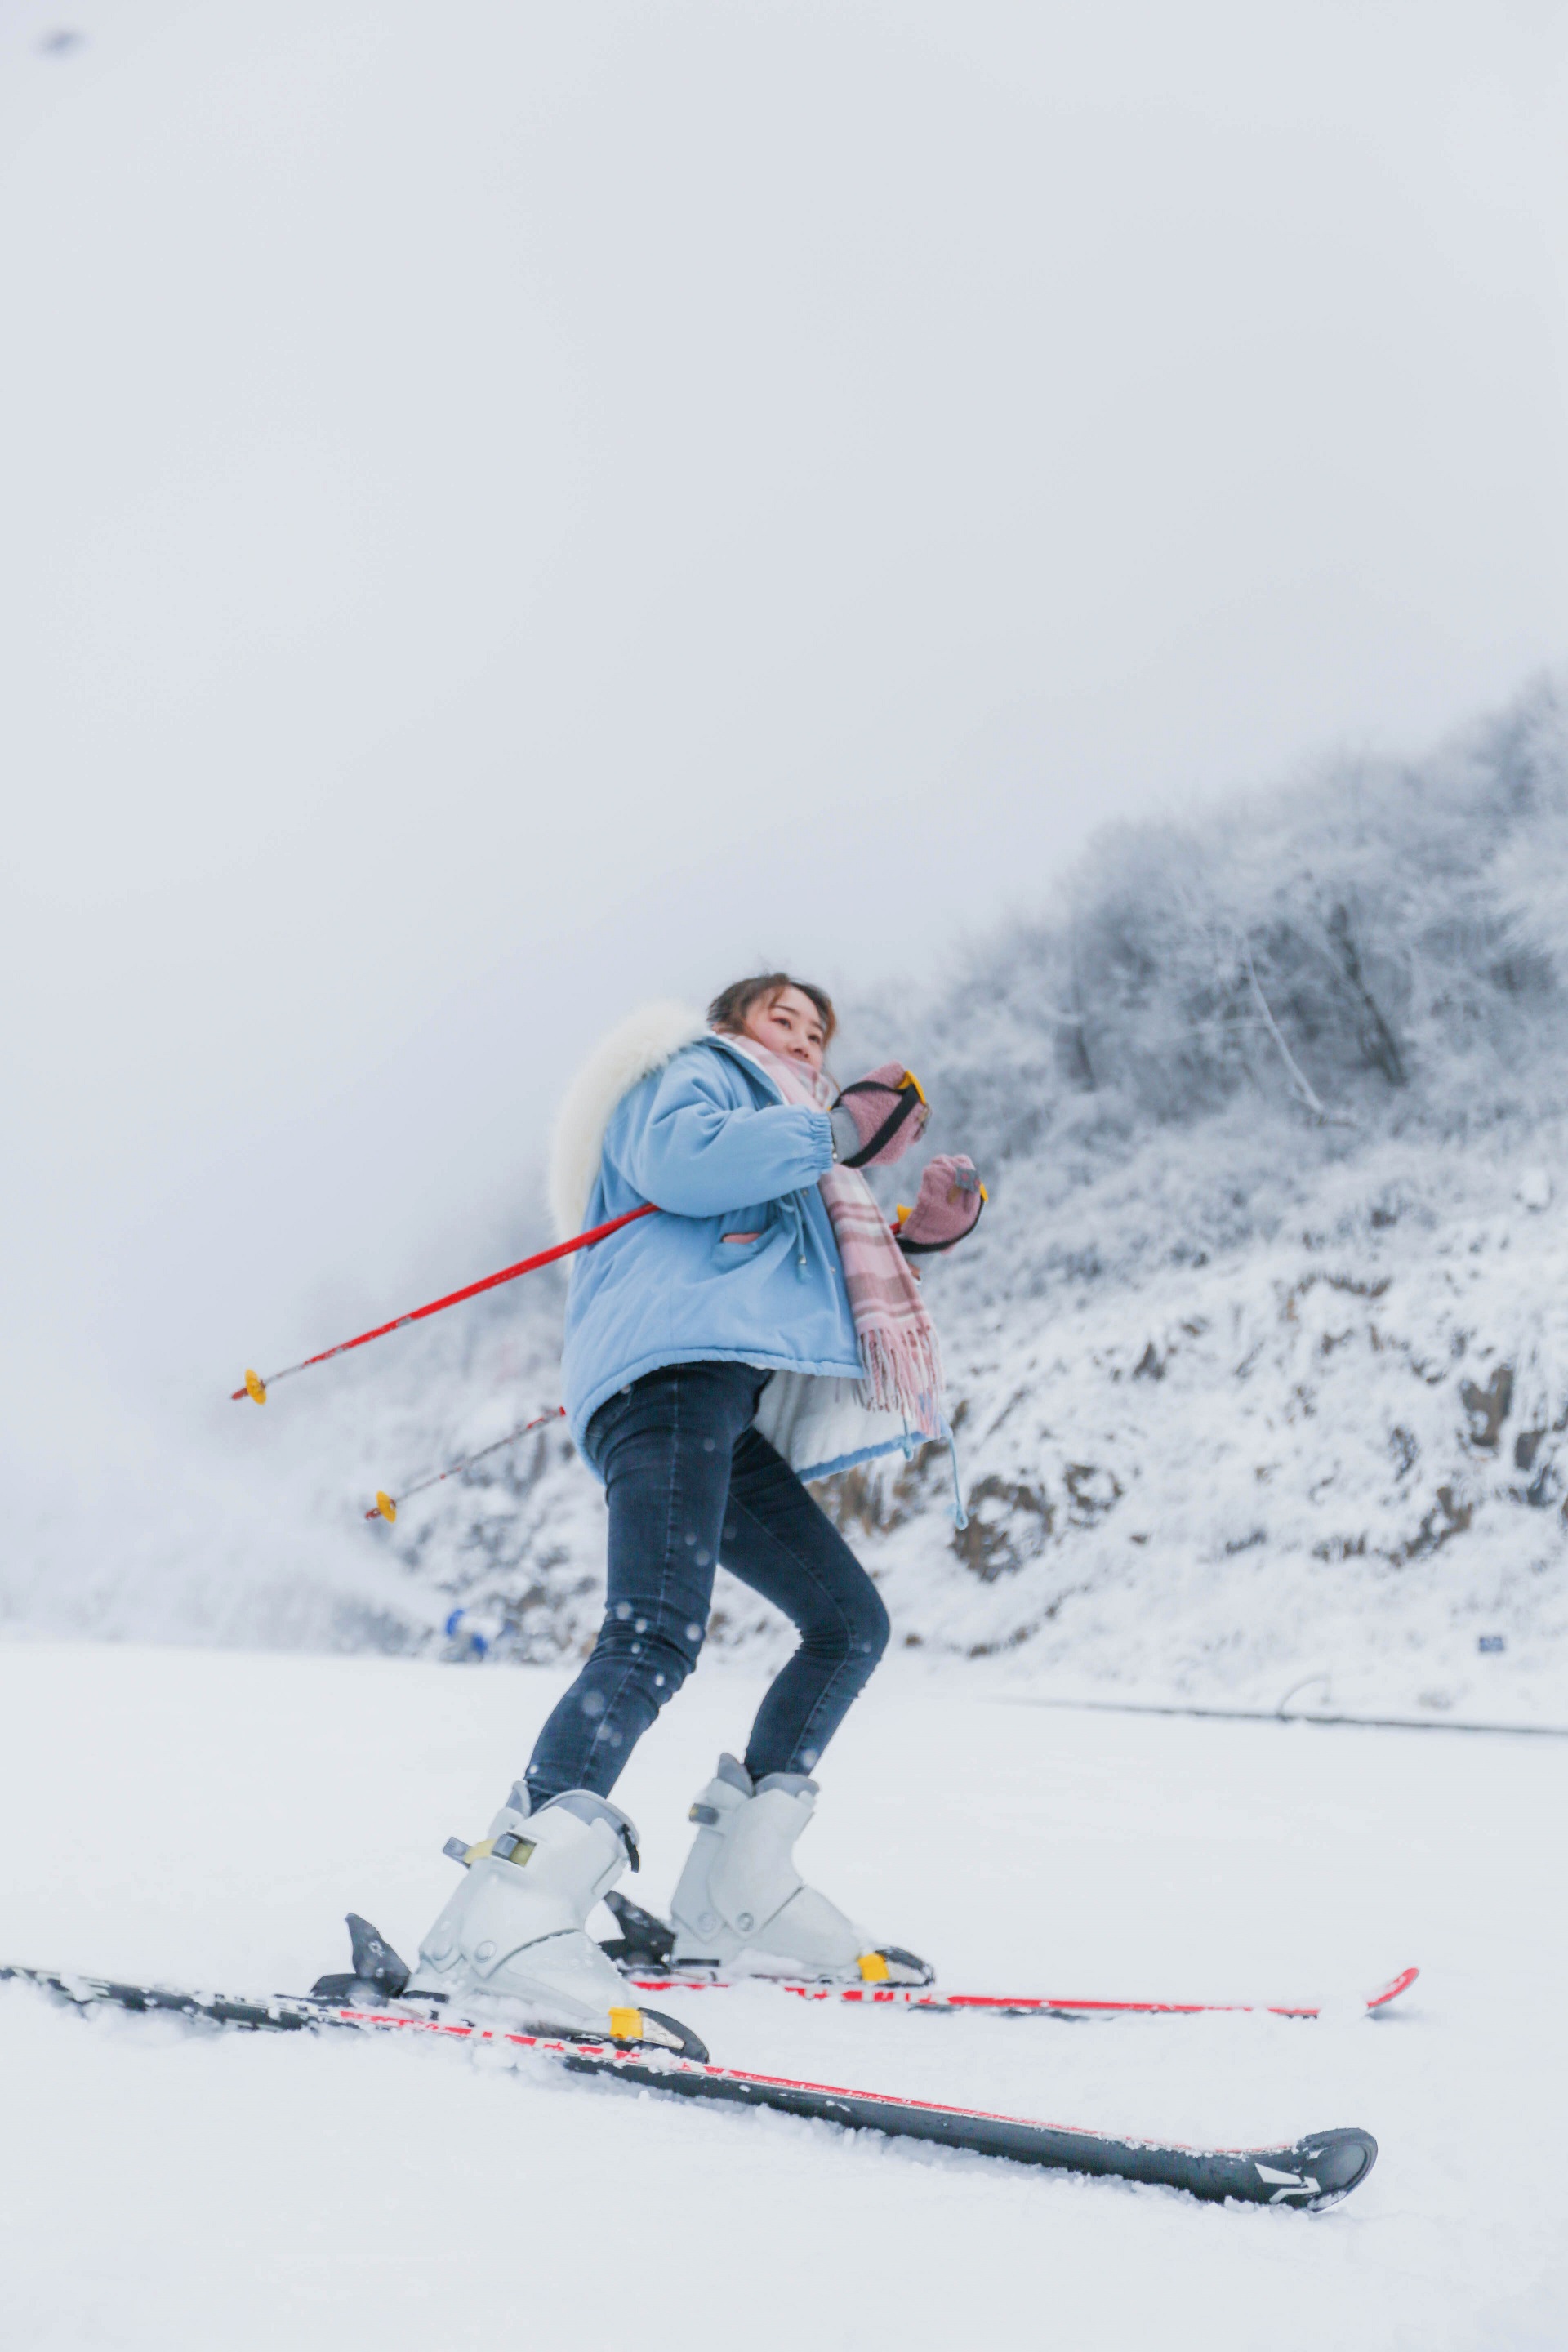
(205, 1818)
(1311, 2173)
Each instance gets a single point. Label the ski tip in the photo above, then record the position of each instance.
(1333, 2162)
(384, 1507)
(1392, 1990)
(255, 1388)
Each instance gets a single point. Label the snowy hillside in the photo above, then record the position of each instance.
(1266, 1350)
(1260, 1354)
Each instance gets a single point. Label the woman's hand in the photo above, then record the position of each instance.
(876, 1120)
(950, 1199)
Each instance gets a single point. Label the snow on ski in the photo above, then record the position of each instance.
(876, 1995)
(1310, 2173)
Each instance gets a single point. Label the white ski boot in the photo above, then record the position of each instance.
(516, 1929)
(742, 1907)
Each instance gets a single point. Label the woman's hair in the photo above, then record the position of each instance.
(731, 1007)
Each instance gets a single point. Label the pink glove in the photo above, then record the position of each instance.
(950, 1199)
(876, 1118)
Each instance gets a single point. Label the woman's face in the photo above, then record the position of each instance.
(791, 1025)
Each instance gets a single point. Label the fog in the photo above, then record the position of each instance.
(512, 510)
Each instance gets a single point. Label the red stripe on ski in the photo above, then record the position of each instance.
(611, 2055)
(883, 1996)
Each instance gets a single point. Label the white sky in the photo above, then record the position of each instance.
(514, 509)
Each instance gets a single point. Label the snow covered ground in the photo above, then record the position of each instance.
(208, 1817)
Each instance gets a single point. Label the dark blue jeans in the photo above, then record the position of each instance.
(689, 1483)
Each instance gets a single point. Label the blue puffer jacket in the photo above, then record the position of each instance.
(710, 1138)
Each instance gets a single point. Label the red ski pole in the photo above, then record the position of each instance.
(257, 1388)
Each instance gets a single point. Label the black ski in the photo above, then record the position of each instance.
(1311, 2173)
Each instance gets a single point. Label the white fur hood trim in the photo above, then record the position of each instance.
(631, 1052)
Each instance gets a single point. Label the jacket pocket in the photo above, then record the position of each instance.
(742, 1236)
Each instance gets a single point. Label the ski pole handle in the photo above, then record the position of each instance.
(255, 1387)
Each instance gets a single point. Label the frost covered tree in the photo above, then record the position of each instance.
(1380, 946)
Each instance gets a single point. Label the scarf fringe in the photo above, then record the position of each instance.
(904, 1375)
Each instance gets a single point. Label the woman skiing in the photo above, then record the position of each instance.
(764, 1328)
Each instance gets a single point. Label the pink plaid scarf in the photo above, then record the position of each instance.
(900, 1352)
